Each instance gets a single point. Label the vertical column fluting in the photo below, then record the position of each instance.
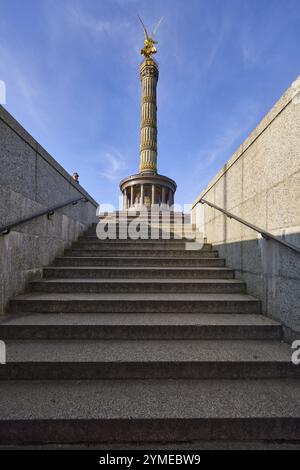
(170, 198)
(125, 199)
(148, 142)
(131, 196)
(153, 195)
(163, 195)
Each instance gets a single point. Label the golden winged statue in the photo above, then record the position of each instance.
(149, 47)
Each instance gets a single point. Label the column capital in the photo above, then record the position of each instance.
(149, 68)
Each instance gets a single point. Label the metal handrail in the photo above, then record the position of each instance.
(264, 234)
(50, 211)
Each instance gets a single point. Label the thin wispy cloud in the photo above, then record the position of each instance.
(228, 139)
(113, 165)
(80, 18)
(252, 52)
(23, 85)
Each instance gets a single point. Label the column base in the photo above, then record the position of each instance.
(164, 190)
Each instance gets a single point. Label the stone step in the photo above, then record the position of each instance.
(138, 286)
(161, 231)
(148, 244)
(154, 246)
(161, 261)
(145, 221)
(135, 272)
(179, 239)
(139, 326)
(144, 235)
(176, 223)
(144, 224)
(134, 303)
(149, 216)
(150, 219)
(146, 359)
(137, 251)
(136, 411)
(140, 213)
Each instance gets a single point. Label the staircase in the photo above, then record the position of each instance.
(128, 342)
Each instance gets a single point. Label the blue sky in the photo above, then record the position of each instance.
(71, 69)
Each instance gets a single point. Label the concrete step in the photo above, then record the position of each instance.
(95, 243)
(148, 246)
(138, 286)
(128, 411)
(151, 220)
(137, 251)
(92, 237)
(144, 226)
(144, 238)
(166, 234)
(145, 235)
(134, 303)
(162, 229)
(135, 272)
(177, 239)
(150, 217)
(143, 222)
(139, 326)
(146, 359)
(161, 261)
(140, 213)
(177, 221)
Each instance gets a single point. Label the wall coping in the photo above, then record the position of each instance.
(274, 112)
(15, 126)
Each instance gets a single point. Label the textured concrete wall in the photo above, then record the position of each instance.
(261, 184)
(31, 181)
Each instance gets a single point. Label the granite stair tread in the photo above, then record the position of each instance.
(138, 281)
(111, 319)
(110, 351)
(149, 399)
(135, 297)
(139, 326)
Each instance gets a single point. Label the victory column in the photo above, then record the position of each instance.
(148, 187)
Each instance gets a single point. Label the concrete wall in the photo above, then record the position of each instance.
(31, 181)
(261, 184)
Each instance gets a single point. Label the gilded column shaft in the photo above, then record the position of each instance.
(148, 135)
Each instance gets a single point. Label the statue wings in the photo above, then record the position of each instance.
(149, 47)
(157, 26)
(147, 37)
